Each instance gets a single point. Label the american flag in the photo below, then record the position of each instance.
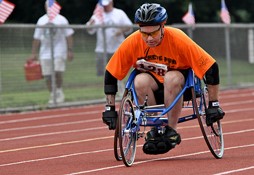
(189, 17)
(53, 9)
(5, 10)
(224, 14)
(98, 12)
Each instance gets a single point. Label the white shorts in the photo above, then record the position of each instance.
(46, 66)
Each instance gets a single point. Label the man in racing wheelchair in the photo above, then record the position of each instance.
(162, 55)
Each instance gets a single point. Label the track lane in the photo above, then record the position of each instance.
(67, 141)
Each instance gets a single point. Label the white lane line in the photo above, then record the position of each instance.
(90, 152)
(237, 103)
(98, 119)
(55, 144)
(82, 130)
(50, 117)
(52, 133)
(50, 125)
(157, 159)
(95, 111)
(235, 170)
(237, 95)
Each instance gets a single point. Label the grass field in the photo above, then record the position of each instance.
(80, 80)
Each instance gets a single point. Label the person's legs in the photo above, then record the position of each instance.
(46, 67)
(173, 84)
(60, 65)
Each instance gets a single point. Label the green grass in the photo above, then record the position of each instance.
(80, 80)
(242, 72)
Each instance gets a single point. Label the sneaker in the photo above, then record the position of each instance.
(59, 96)
(172, 136)
(51, 98)
(152, 134)
(150, 146)
(158, 143)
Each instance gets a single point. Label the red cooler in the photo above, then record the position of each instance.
(33, 70)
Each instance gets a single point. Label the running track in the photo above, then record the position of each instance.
(75, 141)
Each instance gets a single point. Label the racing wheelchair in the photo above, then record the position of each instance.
(134, 117)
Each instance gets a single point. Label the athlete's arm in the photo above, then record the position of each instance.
(109, 117)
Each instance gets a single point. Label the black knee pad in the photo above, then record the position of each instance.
(212, 75)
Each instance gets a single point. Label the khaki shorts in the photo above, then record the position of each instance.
(46, 66)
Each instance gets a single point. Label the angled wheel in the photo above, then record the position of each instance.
(213, 135)
(127, 133)
(117, 152)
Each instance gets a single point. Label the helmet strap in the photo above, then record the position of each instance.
(162, 31)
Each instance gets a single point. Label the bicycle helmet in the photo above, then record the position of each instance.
(150, 14)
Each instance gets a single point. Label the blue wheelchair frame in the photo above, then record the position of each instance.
(133, 115)
(191, 81)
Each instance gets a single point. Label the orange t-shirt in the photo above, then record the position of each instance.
(176, 50)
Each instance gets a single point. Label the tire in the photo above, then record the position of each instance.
(127, 136)
(117, 152)
(213, 135)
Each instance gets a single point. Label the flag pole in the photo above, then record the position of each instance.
(228, 56)
(225, 17)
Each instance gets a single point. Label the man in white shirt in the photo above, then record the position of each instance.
(113, 36)
(62, 50)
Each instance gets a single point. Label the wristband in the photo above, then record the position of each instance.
(110, 108)
(214, 104)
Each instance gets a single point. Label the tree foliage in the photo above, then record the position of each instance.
(79, 11)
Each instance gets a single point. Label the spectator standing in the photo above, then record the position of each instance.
(106, 14)
(62, 50)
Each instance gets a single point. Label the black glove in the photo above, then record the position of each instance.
(109, 117)
(214, 113)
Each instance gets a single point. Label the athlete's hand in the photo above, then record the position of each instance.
(109, 117)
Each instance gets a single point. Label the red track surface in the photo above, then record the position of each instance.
(75, 141)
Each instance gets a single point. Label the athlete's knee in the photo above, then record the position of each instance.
(142, 80)
(174, 79)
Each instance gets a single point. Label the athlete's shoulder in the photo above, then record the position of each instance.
(176, 34)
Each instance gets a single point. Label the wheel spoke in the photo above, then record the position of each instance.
(127, 137)
(213, 135)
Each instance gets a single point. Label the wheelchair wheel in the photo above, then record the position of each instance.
(117, 152)
(127, 135)
(213, 135)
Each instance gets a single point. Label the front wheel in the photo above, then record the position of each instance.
(117, 152)
(213, 135)
(127, 133)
